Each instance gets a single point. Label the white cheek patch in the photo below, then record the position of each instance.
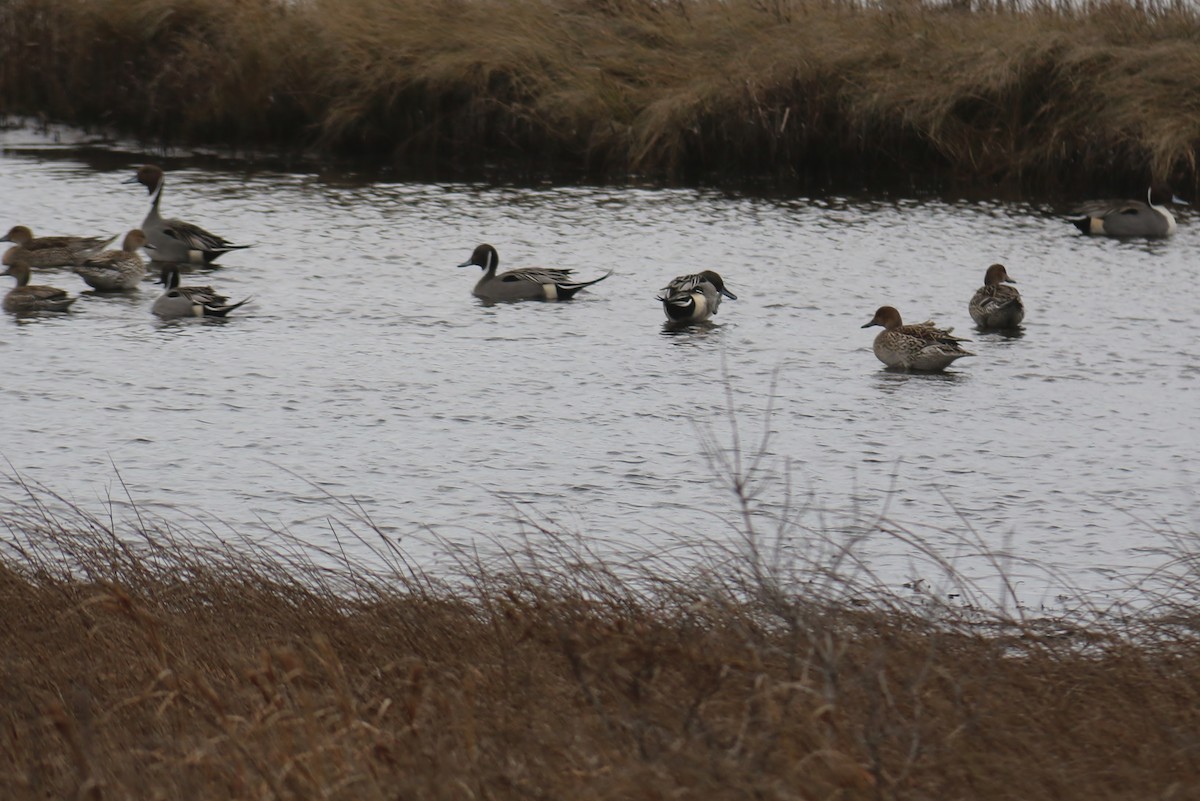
(550, 291)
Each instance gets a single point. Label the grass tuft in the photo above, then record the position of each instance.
(142, 660)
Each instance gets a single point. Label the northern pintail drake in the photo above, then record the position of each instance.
(923, 346)
(175, 240)
(995, 305)
(526, 283)
(26, 298)
(178, 301)
(52, 251)
(1131, 217)
(694, 298)
(116, 270)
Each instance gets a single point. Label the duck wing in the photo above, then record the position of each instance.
(537, 275)
(196, 238)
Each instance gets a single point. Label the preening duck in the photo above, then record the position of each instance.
(694, 298)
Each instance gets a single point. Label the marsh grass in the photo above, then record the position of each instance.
(142, 660)
(1041, 94)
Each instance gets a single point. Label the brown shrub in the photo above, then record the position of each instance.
(141, 663)
(1037, 94)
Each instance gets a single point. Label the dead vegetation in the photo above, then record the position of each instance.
(1036, 94)
(144, 661)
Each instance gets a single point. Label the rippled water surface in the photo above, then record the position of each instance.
(365, 370)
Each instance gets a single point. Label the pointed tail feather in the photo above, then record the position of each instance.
(566, 290)
(221, 311)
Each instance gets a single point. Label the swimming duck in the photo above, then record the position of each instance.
(1131, 217)
(694, 298)
(189, 301)
(914, 347)
(116, 270)
(52, 251)
(995, 305)
(175, 240)
(26, 298)
(526, 283)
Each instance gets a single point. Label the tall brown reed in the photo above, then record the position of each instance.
(1033, 93)
(142, 660)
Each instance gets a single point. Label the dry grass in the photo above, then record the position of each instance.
(1033, 94)
(138, 664)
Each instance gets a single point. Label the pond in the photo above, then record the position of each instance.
(364, 373)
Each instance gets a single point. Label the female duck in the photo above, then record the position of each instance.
(922, 346)
(178, 301)
(116, 270)
(694, 298)
(1131, 217)
(995, 305)
(26, 298)
(52, 251)
(174, 240)
(526, 283)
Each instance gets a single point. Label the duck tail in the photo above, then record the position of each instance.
(568, 290)
(221, 311)
(209, 256)
(1084, 224)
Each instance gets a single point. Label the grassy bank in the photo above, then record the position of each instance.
(1046, 96)
(137, 664)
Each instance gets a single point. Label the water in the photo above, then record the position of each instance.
(364, 370)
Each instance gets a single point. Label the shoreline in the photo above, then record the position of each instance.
(812, 93)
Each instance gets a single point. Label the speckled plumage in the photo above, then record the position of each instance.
(995, 305)
(116, 270)
(31, 298)
(922, 346)
(51, 251)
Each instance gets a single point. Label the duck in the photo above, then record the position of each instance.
(178, 301)
(525, 283)
(923, 346)
(53, 251)
(1131, 217)
(995, 305)
(116, 270)
(175, 240)
(26, 298)
(694, 298)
